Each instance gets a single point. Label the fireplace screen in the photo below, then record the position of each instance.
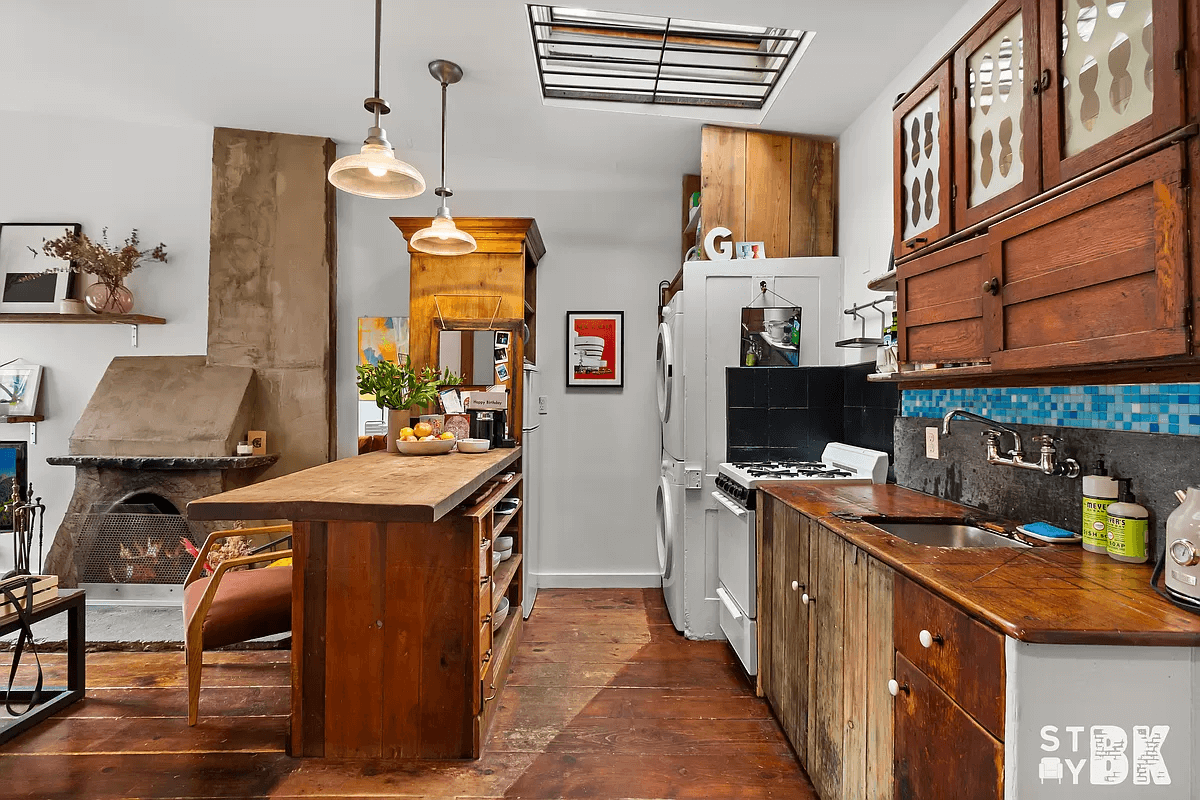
(134, 544)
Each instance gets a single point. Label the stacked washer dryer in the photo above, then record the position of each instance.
(670, 500)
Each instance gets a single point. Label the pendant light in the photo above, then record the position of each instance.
(443, 238)
(375, 171)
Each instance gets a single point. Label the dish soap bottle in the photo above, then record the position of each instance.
(1128, 528)
(1099, 491)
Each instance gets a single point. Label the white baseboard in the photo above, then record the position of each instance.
(590, 580)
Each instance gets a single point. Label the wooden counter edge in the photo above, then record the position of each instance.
(973, 608)
(212, 508)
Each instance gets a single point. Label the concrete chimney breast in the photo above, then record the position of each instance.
(166, 406)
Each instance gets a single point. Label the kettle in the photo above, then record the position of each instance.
(1181, 560)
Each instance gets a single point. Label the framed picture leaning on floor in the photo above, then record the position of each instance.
(596, 349)
(13, 463)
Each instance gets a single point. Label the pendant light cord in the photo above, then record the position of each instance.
(444, 192)
(378, 29)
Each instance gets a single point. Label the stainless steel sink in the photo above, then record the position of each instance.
(946, 534)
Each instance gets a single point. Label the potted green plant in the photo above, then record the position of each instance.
(399, 388)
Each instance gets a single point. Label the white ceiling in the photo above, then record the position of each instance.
(304, 66)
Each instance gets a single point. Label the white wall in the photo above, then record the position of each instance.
(865, 178)
(119, 175)
(611, 236)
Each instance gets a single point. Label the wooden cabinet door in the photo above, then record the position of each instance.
(827, 718)
(941, 753)
(997, 147)
(1112, 77)
(923, 164)
(1097, 275)
(940, 304)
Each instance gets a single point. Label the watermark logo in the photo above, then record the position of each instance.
(1108, 757)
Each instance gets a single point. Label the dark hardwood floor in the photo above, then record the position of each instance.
(605, 700)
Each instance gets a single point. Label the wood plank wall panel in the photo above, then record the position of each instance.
(723, 179)
(813, 217)
(880, 659)
(768, 191)
(826, 743)
(856, 627)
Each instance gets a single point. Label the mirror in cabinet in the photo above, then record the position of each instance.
(486, 353)
(1117, 79)
(923, 164)
(997, 146)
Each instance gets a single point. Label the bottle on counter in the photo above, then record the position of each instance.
(1099, 491)
(1128, 527)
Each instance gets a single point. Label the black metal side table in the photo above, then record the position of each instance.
(54, 698)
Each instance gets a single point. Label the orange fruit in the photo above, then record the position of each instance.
(409, 438)
(406, 432)
(423, 429)
(426, 439)
(447, 435)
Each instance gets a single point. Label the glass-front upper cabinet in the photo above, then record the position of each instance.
(1116, 74)
(997, 147)
(923, 163)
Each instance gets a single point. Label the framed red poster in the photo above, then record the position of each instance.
(596, 349)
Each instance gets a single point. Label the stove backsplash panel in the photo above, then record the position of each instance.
(793, 412)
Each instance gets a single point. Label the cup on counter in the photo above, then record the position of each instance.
(435, 421)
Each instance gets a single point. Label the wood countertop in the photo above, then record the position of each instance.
(376, 487)
(1052, 594)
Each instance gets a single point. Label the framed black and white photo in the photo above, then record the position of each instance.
(596, 349)
(20, 382)
(13, 464)
(23, 289)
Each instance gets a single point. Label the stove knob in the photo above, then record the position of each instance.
(1184, 553)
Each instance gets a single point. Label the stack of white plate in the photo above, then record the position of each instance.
(500, 614)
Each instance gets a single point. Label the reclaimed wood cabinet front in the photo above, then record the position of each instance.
(940, 300)
(923, 164)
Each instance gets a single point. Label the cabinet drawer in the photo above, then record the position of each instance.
(485, 647)
(963, 657)
(485, 602)
(941, 752)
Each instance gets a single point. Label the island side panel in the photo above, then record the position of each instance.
(308, 639)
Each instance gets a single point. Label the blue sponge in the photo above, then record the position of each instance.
(1047, 532)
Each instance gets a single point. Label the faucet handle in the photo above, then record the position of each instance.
(1047, 440)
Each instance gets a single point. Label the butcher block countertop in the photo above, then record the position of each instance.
(1053, 594)
(376, 487)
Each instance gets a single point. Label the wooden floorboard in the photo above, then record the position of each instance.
(605, 701)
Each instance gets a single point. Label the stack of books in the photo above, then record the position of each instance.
(45, 589)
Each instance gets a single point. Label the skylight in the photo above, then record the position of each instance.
(607, 57)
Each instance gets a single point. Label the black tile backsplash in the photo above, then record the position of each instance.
(793, 412)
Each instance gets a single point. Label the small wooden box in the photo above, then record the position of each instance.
(258, 441)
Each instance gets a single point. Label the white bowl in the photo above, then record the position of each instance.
(496, 559)
(500, 614)
(503, 555)
(503, 543)
(435, 447)
(473, 445)
(508, 505)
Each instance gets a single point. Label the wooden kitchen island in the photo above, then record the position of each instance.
(393, 592)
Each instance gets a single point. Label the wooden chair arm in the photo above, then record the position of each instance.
(210, 591)
(197, 569)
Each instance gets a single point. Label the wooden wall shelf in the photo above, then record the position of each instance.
(84, 319)
(21, 420)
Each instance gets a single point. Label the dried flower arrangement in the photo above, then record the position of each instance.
(110, 264)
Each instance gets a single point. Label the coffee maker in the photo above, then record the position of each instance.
(491, 424)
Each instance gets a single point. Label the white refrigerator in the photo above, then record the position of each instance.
(531, 464)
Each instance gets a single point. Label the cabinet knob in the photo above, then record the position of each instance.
(912, 243)
(992, 287)
(1042, 84)
(806, 598)
(895, 688)
(797, 586)
(927, 638)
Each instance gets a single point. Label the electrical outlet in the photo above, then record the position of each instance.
(542, 405)
(931, 443)
(693, 478)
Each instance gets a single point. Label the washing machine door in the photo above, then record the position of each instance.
(665, 503)
(666, 371)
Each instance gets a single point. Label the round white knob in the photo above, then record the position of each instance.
(795, 585)
(927, 638)
(893, 688)
(804, 598)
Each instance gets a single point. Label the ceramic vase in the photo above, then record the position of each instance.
(104, 299)
(397, 418)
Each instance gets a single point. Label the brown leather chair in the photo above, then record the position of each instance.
(233, 606)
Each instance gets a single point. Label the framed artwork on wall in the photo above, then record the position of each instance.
(13, 463)
(23, 289)
(596, 349)
(20, 382)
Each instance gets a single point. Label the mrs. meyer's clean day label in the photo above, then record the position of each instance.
(1099, 492)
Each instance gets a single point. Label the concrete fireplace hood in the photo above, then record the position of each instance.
(166, 406)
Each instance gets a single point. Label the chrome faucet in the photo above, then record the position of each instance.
(1047, 462)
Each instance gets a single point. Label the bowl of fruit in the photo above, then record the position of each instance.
(420, 440)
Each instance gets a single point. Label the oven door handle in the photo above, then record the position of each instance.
(727, 601)
(732, 506)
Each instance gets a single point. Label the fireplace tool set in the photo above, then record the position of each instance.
(26, 515)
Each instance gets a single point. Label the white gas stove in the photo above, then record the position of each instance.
(737, 547)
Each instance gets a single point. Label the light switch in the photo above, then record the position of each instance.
(931, 443)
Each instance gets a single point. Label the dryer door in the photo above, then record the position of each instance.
(665, 503)
(666, 371)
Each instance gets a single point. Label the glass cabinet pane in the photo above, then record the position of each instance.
(922, 162)
(996, 112)
(1107, 67)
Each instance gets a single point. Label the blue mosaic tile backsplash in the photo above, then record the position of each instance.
(1149, 408)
